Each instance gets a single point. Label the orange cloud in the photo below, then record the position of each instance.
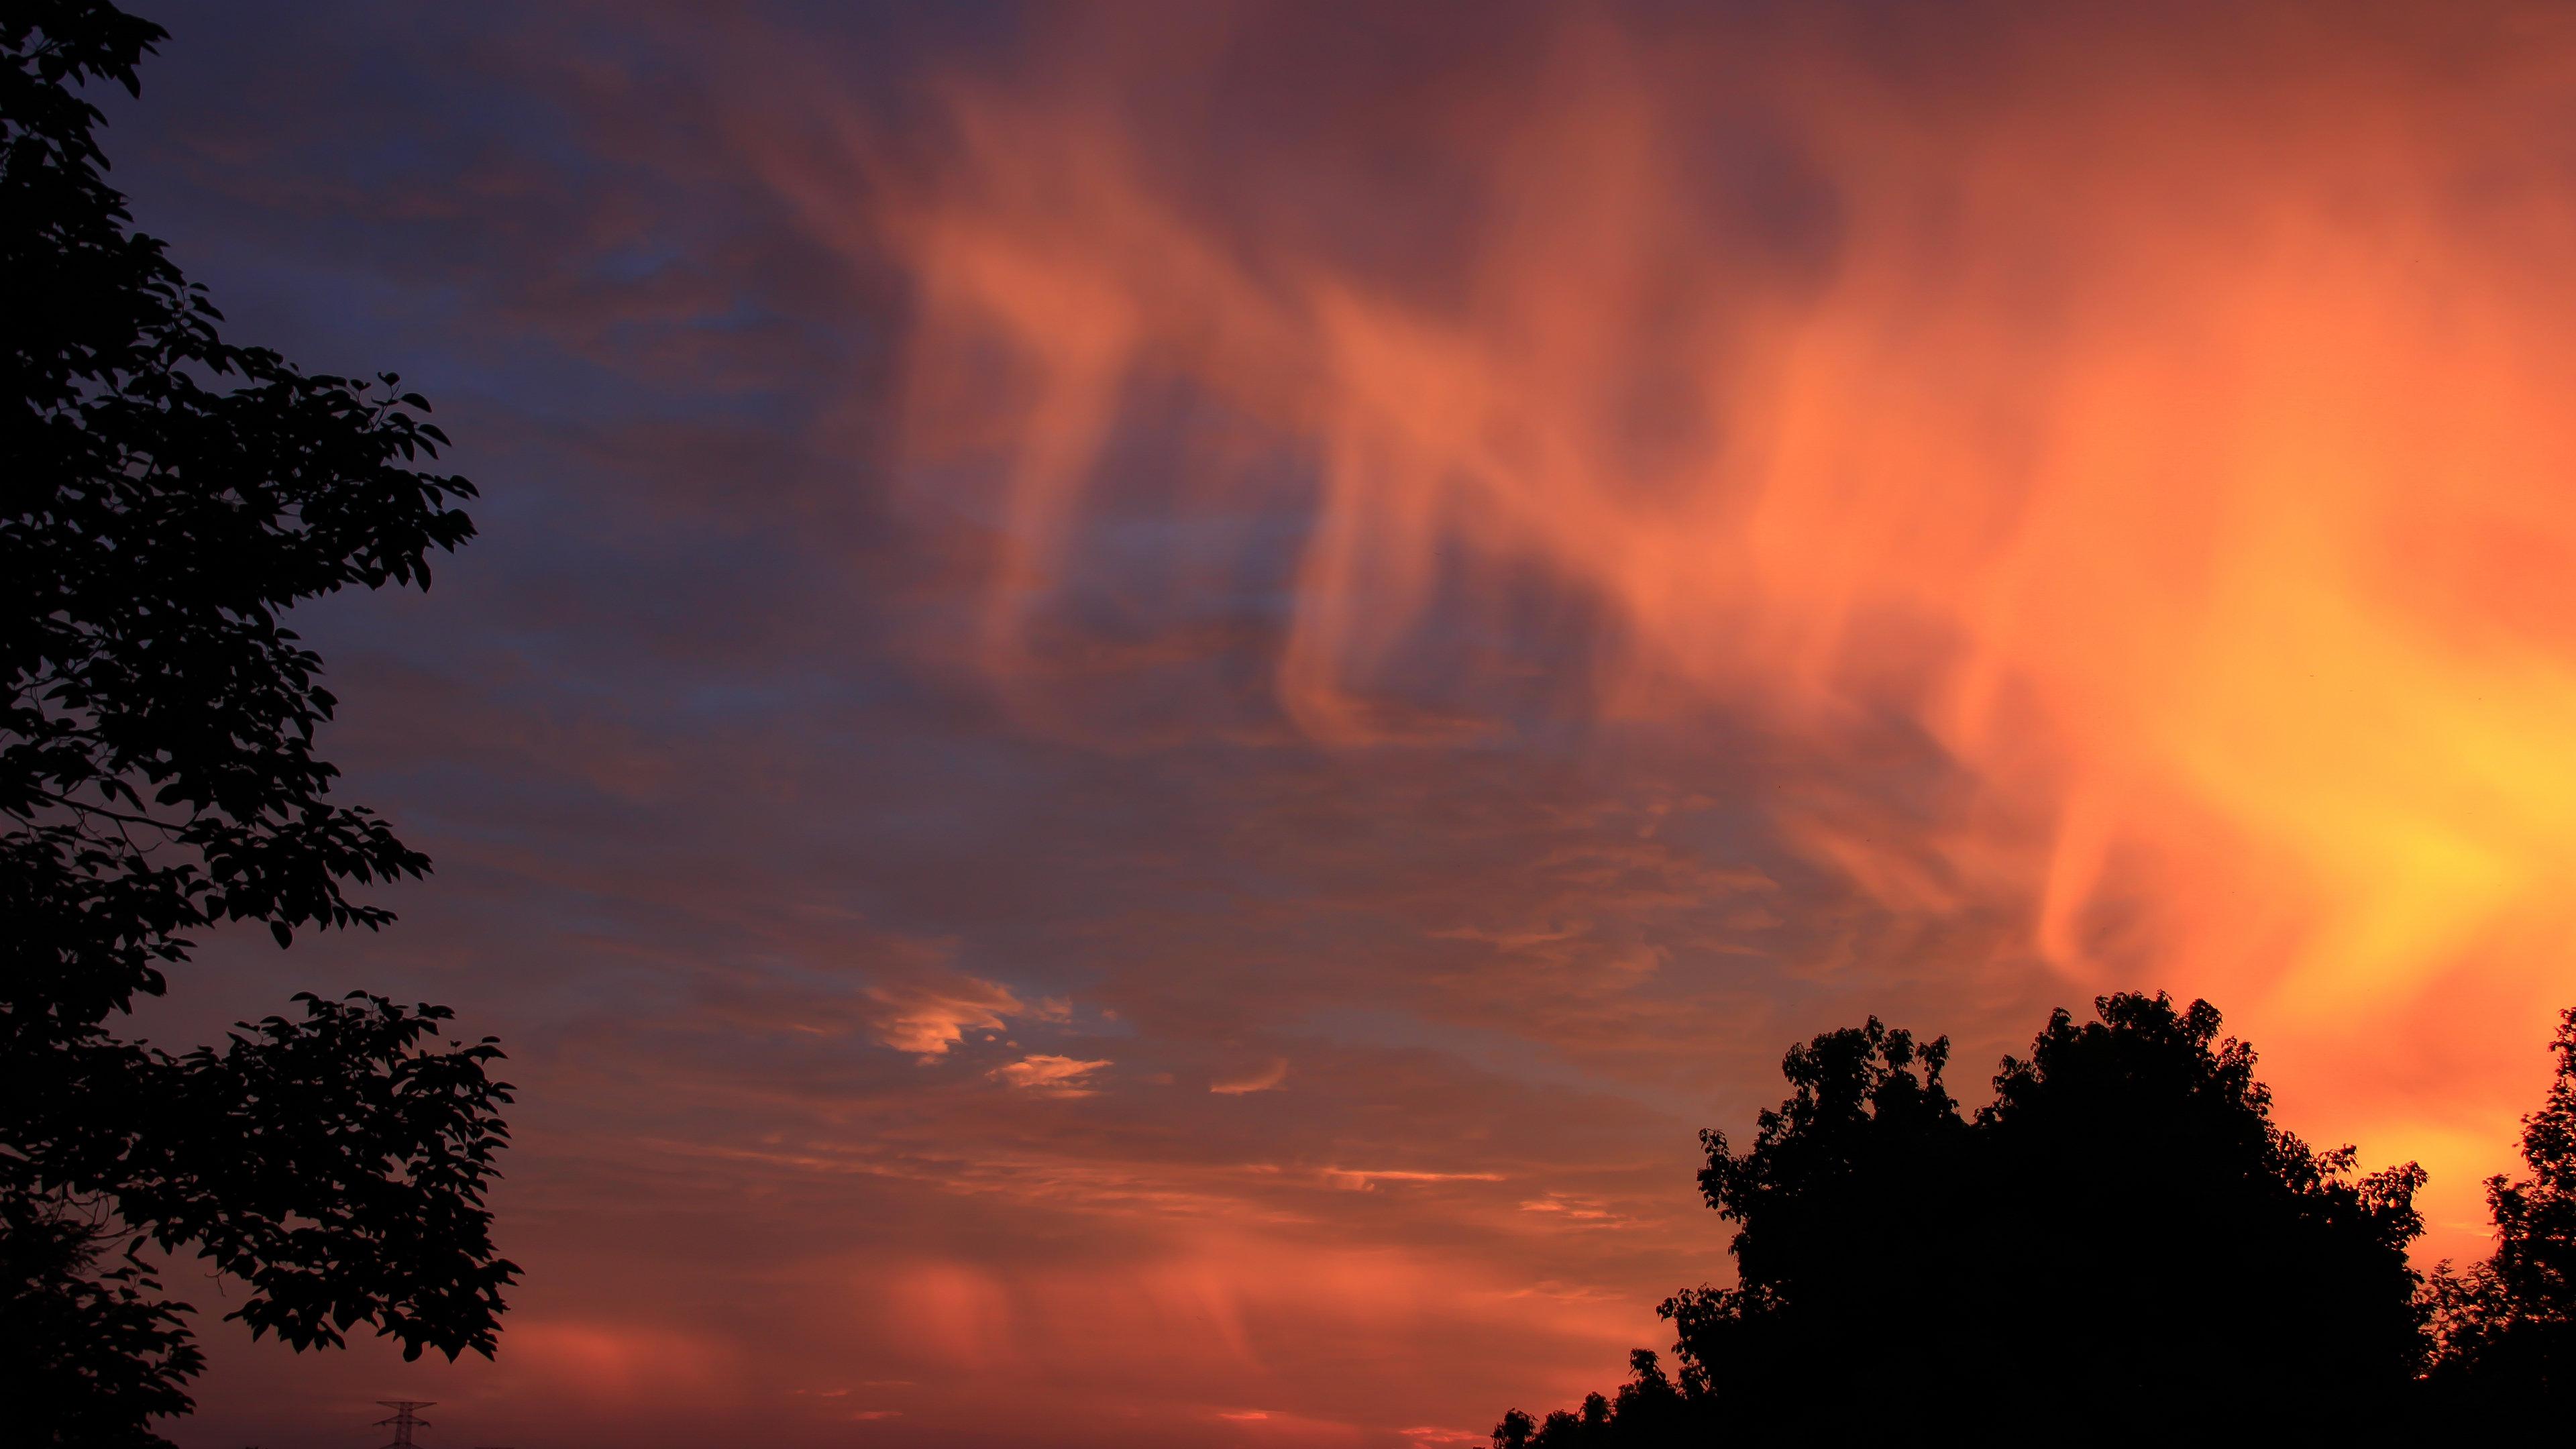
(927, 1017)
(1059, 1076)
(2179, 456)
(1522, 557)
(1367, 1181)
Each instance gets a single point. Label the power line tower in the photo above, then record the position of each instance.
(404, 1420)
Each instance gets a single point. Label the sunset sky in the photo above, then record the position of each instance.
(1156, 697)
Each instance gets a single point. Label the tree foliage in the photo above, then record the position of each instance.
(2506, 1329)
(1649, 1409)
(166, 498)
(87, 1353)
(2122, 1245)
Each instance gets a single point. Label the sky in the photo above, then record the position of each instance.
(1157, 697)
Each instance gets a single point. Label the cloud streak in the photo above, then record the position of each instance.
(1060, 1076)
(1268, 1077)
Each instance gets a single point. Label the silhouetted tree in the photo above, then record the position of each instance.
(1649, 1410)
(164, 498)
(2124, 1245)
(1848, 1199)
(2506, 1329)
(92, 1352)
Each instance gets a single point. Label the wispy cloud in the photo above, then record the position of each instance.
(781, 881)
(928, 1017)
(1358, 1180)
(1057, 1076)
(1263, 1078)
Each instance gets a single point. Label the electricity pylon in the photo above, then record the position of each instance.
(403, 1421)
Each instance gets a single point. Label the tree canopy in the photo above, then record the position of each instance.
(2123, 1244)
(2505, 1331)
(166, 498)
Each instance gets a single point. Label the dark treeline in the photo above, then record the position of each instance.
(2124, 1245)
